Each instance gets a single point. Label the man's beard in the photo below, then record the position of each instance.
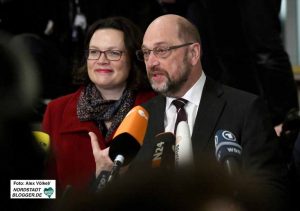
(171, 86)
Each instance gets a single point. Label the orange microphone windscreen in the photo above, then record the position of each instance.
(130, 134)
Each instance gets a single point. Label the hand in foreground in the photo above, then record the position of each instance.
(102, 160)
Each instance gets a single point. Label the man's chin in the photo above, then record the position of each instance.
(159, 88)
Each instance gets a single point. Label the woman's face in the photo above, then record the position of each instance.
(104, 73)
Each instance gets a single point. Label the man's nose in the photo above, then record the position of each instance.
(152, 60)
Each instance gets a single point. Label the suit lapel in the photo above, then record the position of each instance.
(156, 116)
(210, 108)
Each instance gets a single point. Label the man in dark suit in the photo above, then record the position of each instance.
(171, 51)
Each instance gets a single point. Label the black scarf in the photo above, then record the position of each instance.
(92, 107)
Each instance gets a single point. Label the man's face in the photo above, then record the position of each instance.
(168, 74)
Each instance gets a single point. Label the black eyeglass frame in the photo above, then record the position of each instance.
(141, 55)
(87, 53)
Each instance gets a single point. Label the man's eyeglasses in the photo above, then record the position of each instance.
(160, 52)
(111, 55)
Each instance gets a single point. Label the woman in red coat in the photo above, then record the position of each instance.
(113, 81)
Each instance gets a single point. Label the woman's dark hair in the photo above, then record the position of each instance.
(137, 78)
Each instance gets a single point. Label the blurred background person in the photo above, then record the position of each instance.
(44, 28)
(243, 47)
(20, 89)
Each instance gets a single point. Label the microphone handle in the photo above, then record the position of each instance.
(118, 162)
(232, 166)
(102, 180)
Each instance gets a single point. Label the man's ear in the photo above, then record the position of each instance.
(195, 53)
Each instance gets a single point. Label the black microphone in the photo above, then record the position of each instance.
(118, 162)
(125, 144)
(101, 181)
(228, 151)
(163, 153)
(107, 176)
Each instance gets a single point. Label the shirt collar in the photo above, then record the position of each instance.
(193, 95)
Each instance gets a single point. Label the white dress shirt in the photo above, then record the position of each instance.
(193, 97)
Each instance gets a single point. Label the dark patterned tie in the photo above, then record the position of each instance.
(181, 114)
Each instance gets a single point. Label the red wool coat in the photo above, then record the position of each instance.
(71, 160)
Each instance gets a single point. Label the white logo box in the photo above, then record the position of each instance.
(32, 189)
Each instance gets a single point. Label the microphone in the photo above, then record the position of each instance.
(228, 151)
(108, 176)
(183, 146)
(128, 139)
(163, 155)
(101, 181)
(130, 135)
(125, 144)
(118, 162)
(43, 139)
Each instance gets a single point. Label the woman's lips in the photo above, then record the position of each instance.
(103, 70)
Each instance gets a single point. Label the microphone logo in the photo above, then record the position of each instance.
(226, 144)
(163, 155)
(228, 151)
(228, 135)
(142, 112)
(156, 161)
